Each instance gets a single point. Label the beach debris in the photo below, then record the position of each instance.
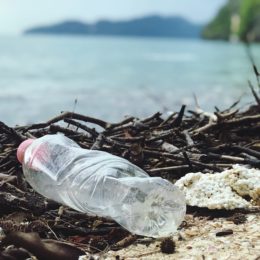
(168, 246)
(245, 181)
(43, 249)
(225, 232)
(225, 190)
(238, 218)
(184, 142)
(12, 253)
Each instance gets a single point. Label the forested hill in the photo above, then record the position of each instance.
(237, 19)
(156, 26)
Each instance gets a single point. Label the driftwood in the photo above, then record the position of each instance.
(167, 147)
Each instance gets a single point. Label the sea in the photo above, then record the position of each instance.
(114, 77)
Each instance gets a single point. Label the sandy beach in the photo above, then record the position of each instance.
(198, 241)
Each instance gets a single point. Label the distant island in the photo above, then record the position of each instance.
(149, 26)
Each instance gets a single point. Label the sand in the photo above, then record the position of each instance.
(198, 240)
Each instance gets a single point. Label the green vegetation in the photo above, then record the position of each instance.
(219, 28)
(250, 20)
(240, 18)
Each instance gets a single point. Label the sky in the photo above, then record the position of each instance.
(18, 15)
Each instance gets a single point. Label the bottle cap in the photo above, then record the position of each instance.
(22, 148)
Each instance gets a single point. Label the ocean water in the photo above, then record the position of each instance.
(111, 77)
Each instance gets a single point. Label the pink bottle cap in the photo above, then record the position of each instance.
(22, 148)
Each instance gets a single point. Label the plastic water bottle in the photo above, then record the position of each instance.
(102, 184)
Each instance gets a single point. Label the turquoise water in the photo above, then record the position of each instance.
(113, 77)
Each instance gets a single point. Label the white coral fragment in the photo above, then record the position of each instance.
(223, 190)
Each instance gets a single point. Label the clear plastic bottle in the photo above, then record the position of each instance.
(102, 184)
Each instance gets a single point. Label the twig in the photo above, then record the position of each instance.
(68, 115)
(178, 120)
(257, 99)
(89, 130)
(98, 143)
(247, 150)
(250, 56)
(188, 138)
(170, 168)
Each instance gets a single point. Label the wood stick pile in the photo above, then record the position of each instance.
(186, 141)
